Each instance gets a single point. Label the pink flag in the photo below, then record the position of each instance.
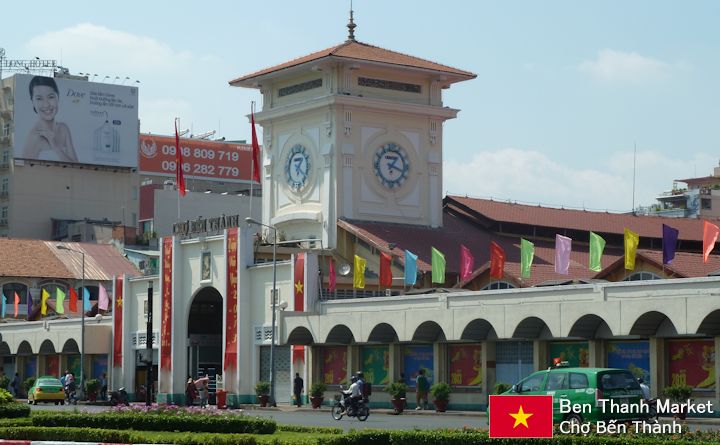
(103, 299)
(563, 246)
(710, 235)
(331, 278)
(467, 263)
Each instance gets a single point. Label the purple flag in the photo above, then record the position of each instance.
(29, 304)
(669, 243)
(563, 246)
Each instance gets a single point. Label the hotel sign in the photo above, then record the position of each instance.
(204, 225)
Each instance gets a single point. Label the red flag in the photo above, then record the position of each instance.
(118, 323)
(17, 302)
(299, 282)
(73, 300)
(385, 269)
(497, 260)
(521, 416)
(331, 277)
(467, 263)
(298, 353)
(179, 173)
(255, 151)
(710, 235)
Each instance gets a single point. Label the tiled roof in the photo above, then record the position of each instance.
(42, 259)
(600, 222)
(353, 50)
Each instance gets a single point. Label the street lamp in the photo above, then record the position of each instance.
(82, 319)
(249, 220)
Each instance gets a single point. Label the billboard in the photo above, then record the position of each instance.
(692, 362)
(75, 121)
(375, 364)
(465, 364)
(575, 353)
(631, 355)
(210, 160)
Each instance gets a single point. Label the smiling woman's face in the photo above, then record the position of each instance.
(45, 102)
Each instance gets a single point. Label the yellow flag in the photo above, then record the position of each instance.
(632, 240)
(43, 302)
(359, 272)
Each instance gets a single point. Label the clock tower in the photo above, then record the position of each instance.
(352, 132)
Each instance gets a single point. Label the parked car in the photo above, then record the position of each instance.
(584, 388)
(46, 389)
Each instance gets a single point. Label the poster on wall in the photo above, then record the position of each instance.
(375, 363)
(416, 358)
(465, 365)
(68, 120)
(575, 353)
(30, 368)
(631, 355)
(692, 362)
(334, 365)
(99, 366)
(73, 364)
(52, 365)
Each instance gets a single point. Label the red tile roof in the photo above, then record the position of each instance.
(353, 50)
(600, 222)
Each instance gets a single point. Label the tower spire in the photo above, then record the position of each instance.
(351, 26)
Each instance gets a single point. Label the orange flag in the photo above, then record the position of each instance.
(17, 302)
(710, 235)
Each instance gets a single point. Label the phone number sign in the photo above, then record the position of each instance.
(201, 159)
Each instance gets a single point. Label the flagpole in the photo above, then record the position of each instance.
(177, 119)
(252, 164)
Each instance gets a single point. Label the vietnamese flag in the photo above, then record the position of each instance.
(497, 260)
(521, 417)
(255, 151)
(179, 173)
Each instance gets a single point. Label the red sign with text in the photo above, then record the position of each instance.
(521, 416)
(118, 320)
(231, 311)
(692, 362)
(166, 319)
(201, 159)
(465, 365)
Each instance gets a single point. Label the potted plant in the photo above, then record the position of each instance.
(262, 390)
(91, 388)
(317, 390)
(501, 387)
(398, 392)
(679, 394)
(27, 384)
(441, 396)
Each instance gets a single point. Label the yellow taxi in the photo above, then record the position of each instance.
(46, 389)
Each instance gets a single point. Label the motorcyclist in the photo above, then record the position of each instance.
(69, 383)
(645, 389)
(353, 394)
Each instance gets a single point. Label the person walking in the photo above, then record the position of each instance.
(103, 386)
(15, 385)
(190, 391)
(204, 393)
(421, 390)
(298, 389)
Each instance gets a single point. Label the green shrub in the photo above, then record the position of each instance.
(6, 397)
(318, 389)
(440, 391)
(28, 383)
(396, 390)
(14, 410)
(4, 382)
(115, 436)
(262, 388)
(310, 429)
(501, 387)
(92, 386)
(678, 393)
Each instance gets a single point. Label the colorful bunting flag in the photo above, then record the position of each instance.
(527, 253)
(467, 263)
(59, 301)
(73, 300)
(2, 310)
(631, 242)
(438, 266)
(86, 300)
(669, 243)
(359, 272)
(710, 235)
(332, 278)
(29, 304)
(255, 151)
(563, 247)
(17, 303)
(497, 261)
(103, 299)
(410, 268)
(43, 301)
(597, 246)
(385, 269)
(179, 173)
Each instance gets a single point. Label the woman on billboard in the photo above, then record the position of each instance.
(48, 140)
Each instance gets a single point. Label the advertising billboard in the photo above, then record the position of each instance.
(631, 355)
(692, 362)
(334, 365)
(465, 364)
(76, 121)
(375, 364)
(209, 160)
(575, 353)
(416, 357)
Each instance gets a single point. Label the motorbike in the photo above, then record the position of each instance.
(119, 396)
(342, 408)
(652, 414)
(70, 394)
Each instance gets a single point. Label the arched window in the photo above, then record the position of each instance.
(642, 276)
(499, 285)
(9, 290)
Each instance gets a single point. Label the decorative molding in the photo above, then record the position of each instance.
(389, 85)
(348, 122)
(300, 87)
(433, 132)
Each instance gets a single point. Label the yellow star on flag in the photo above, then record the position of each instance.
(520, 417)
(119, 302)
(299, 287)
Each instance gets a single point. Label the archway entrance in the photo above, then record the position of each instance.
(204, 336)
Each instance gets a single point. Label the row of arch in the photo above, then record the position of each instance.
(47, 347)
(589, 326)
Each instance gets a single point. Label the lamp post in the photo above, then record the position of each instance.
(274, 307)
(149, 345)
(82, 318)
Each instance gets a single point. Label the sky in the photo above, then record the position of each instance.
(566, 92)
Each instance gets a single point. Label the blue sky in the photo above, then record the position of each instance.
(564, 89)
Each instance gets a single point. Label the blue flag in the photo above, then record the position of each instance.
(4, 301)
(86, 299)
(410, 268)
(669, 243)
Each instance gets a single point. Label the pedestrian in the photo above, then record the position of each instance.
(298, 385)
(103, 386)
(203, 392)
(421, 390)
(190, 391)
(15, 385)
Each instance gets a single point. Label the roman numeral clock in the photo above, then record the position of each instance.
(391, 165)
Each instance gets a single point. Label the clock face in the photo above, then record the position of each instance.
(391, 165)
(297, 167)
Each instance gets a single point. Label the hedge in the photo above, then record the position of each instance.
(15, 409)
(179, 421)
(310, 429)
(67, 434)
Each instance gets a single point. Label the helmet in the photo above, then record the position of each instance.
(360, 374)
(353, 379)
(641, 380)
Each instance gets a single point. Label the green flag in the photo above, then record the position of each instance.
(438, 266)
(59, 300)
(597, 245)
(527, 252)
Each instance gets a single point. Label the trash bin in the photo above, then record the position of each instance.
(221, 399)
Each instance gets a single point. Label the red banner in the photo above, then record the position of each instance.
(299, 282)
(231, 311)
(692, 362)
(201, 159)
(465, 365)
(166, 321)
(334, 365)
(118, 322)
(521, 416)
